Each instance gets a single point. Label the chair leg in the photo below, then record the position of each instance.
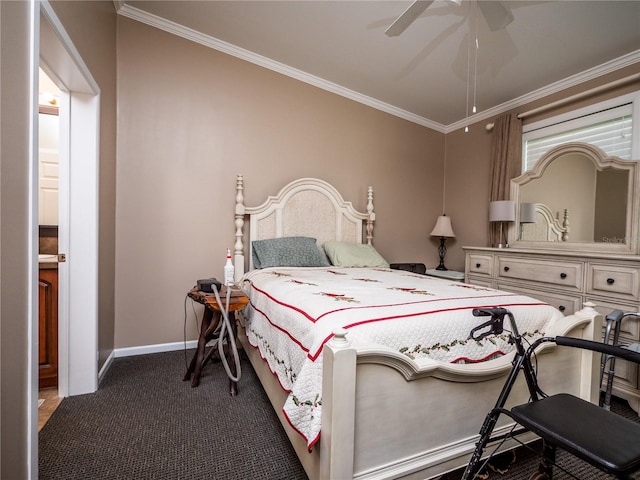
(548, 460)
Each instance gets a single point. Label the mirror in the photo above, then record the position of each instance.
(584, 200)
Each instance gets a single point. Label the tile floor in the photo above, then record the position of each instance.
(51, 402)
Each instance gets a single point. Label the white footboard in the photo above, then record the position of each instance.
(383, 417)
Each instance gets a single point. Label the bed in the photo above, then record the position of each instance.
(381, 380)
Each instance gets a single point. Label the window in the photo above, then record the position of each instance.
(607, 125)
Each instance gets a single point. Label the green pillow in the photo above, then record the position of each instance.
(287, 252)
(344, 254)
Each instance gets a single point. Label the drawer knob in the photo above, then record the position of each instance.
(478, 265)
(506, 269)
(562, 308)
(563, 275)
(610, 281)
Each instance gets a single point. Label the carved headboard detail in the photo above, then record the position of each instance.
(548, 228)
(305, 207)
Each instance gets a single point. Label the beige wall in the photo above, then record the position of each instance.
(191, 118)
(92, 28)
(14, 229)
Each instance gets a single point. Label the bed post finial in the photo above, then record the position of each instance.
(371, 214)
(238, 247)
(565, 225)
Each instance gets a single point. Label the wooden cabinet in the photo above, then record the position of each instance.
(48, 327)
(566, 280)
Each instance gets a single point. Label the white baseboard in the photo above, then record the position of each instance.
(158, 348)
(143, 350)
(106, 366)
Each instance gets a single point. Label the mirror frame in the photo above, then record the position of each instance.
(601, 160)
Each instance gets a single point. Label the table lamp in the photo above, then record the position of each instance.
(502, 211)
(443, 230)
(527, 215)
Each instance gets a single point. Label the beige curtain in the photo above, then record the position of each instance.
(506, 161)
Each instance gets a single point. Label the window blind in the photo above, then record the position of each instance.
(610, 130)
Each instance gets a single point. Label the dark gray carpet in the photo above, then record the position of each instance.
(144, 422)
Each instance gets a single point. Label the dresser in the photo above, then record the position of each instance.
(566, 280)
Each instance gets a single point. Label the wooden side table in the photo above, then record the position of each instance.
(209, 330)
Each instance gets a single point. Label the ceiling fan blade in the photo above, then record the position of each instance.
(497, 15)
(408, 16)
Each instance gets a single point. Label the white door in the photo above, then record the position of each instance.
(48, 167)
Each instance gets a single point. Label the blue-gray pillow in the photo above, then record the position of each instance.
(288, 252)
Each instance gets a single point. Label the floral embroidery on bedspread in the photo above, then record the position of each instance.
(422, 351)
(293, 312)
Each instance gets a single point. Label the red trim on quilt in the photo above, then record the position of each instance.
(315, 440)
(309, 444)
(431, 300)
(313, 357)
(277, 327)
(469, 360)
(269, 366)
(314, 320)
(282, 303)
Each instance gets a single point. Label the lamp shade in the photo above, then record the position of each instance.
(527, 213)
(502, 211)
(443, 227)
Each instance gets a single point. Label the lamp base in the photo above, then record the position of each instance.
(502, 245)
(442, 251)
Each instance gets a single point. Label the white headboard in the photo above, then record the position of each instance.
(547, 227)
(305, 207)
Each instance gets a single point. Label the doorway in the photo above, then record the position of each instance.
(79, 107)
(48, 194)
(78, 121)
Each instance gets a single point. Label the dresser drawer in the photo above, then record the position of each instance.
(567, 275)
(479, 264)
(621, 281)
(480, 281)
(568, 304)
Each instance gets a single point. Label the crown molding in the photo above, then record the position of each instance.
(187, 33)
(595, 72)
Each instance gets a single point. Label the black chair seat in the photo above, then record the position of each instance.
(602, 438)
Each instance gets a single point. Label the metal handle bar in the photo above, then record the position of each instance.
(496, 323)
(612, 350)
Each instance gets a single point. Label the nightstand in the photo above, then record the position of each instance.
(446, 274)
(209, 330)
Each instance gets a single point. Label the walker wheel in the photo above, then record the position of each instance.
(539, 476)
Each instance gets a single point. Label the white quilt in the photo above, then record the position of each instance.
(294, 310)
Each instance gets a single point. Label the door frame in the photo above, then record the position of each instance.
(78, 230)
(54, 51)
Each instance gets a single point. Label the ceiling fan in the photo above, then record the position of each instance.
(497, 15)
